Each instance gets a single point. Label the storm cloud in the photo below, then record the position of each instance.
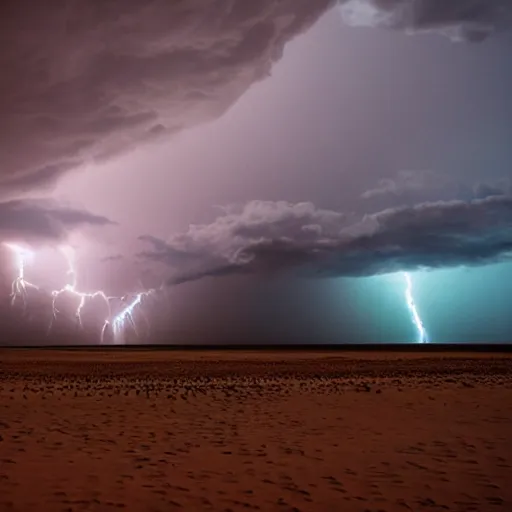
(302, 240)
(42, 220)
(461, 20)
(86, 80)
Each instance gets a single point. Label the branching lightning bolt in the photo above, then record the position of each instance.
(127, 315)
(411, 304)
(20, 285)
(71, 288)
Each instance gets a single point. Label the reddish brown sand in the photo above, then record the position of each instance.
(156, 431)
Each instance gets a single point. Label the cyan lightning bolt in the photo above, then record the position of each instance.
(71, 288)
(20, 285)
(409, 299)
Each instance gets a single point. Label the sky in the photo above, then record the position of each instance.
(270, 169)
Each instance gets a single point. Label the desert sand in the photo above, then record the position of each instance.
(163, 431)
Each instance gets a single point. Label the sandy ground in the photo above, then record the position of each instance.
(213, 431)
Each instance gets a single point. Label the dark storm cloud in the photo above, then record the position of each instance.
(270, 237)
(461, 20)
(43, 220)
(215, 250)
(212, 245)
(87, 79)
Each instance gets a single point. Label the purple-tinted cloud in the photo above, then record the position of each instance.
(307, 241)
(43, 220)
(86, 80)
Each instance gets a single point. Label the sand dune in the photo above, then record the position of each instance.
(165, 431)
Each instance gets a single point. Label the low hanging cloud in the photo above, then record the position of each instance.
(461, 20)
(43, 220)
(305, 241)
(212, 245)
(86, 80)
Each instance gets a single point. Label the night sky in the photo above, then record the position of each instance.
(270, 168)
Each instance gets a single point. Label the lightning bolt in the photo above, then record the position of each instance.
(119, 323)
(411, 305)
(127, 315)
(20, 285)
(71, 288)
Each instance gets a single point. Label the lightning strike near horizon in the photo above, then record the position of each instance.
(411, 305)
(71, 288)
(127, 315)
(20, 285)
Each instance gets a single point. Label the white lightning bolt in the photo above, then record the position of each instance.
(20, 285)
(409, 299)
(71, 288)
(118, 324)
(127, 315)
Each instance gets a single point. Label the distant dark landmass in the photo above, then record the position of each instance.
(334, 348)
